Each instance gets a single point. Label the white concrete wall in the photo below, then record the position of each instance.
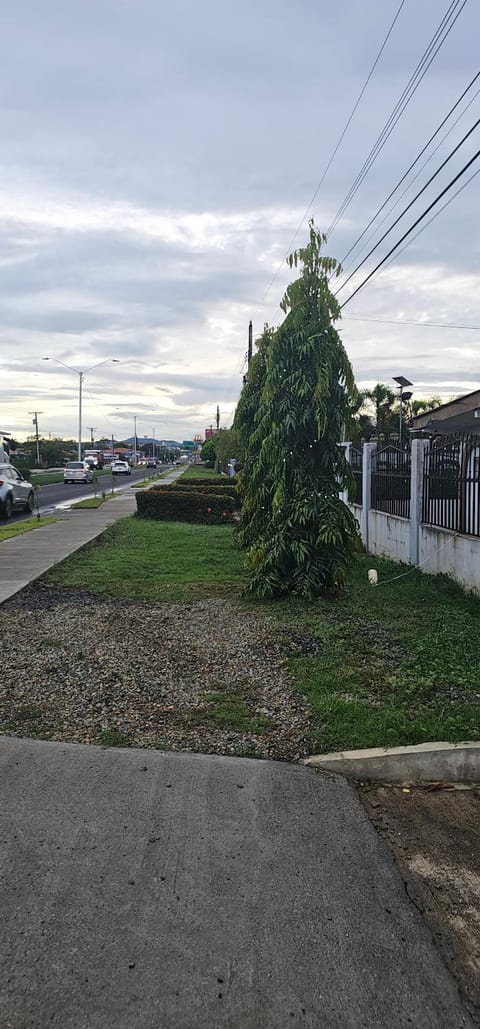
(457, 556)
(388, 535)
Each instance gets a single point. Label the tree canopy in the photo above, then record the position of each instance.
(298, 398)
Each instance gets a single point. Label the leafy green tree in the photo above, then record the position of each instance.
(208, 452)
(299, 534)
(228, 444)
(247, 411)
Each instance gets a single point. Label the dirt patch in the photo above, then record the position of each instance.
(435, 836)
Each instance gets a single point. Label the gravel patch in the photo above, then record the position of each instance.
(207, 676)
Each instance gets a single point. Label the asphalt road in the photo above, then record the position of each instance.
(146, 889)
(59, 493)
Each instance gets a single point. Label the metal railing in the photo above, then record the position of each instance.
(356, 464)
(451, 494)
(391, 485)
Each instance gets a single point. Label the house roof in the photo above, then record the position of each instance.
(459, 415)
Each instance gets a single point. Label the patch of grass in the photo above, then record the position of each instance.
(199, 471)
(399, 664)
(143, 559)
(27, 720)
(230, 711)
(90, 502)
(18, 528)
(380, 666)
(113, 738)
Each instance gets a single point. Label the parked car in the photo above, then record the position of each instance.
(77, 471)
(121, 468)
(15, 492)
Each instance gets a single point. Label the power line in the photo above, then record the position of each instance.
(416, 78)
(405, 321)
(334, 153)
(412, 227)
(437, 213)
(409, 205)
(419, 155)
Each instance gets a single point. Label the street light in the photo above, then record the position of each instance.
(81, 373)
(402, 382)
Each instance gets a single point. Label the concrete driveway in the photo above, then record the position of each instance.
(146, 889)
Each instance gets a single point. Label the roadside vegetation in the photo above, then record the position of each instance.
(200, 471)
(19, 528)
(162, 561)
(379, 666)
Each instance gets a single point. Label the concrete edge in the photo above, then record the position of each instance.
(426, 762)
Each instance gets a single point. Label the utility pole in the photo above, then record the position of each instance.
(135, 435)
(218, 418)
(250, 342)
(35, 422)
(153, 443)
(91, 429)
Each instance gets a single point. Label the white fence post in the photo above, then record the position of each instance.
(419, 449)
(367, 454)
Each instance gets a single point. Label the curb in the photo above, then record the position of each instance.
(426, 762)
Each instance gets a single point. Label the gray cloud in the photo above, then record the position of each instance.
(155, 162)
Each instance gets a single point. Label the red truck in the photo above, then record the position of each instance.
(97, 456)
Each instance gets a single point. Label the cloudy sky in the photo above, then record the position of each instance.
(156, 162)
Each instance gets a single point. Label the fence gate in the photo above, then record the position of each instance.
(391, 469)
(451, 491)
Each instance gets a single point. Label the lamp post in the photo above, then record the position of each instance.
(402, 382)
(81, 373)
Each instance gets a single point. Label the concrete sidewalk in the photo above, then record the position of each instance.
(146, 889)
(26, 557)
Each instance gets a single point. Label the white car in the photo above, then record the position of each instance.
(15, 492)
(121, 468)
(77, 471)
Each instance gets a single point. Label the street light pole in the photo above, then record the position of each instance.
(81, 373)
(402, 382)
(135, 436)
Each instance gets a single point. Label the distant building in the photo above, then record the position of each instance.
(460, 415)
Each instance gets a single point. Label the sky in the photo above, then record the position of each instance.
(156, 161)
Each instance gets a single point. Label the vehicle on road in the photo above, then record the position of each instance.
(16, 493)
(151, 462)
(97, 456)
(121, 468)
(77, 471)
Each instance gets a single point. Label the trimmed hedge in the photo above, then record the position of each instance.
(176, 506)
(206, 483)
(211, 490)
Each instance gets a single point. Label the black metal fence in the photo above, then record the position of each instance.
(356, 462)
(451, 495)
(391, 468)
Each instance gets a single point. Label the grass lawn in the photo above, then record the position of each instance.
(198, 471)
(90, 502)
(170, 561)
(388, 665)
(18, 528)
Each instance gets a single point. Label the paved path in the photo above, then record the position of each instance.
(144, 889)
(26, 557)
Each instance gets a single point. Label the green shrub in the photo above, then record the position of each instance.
(209, 489)
(206, 483)
(182, 506)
